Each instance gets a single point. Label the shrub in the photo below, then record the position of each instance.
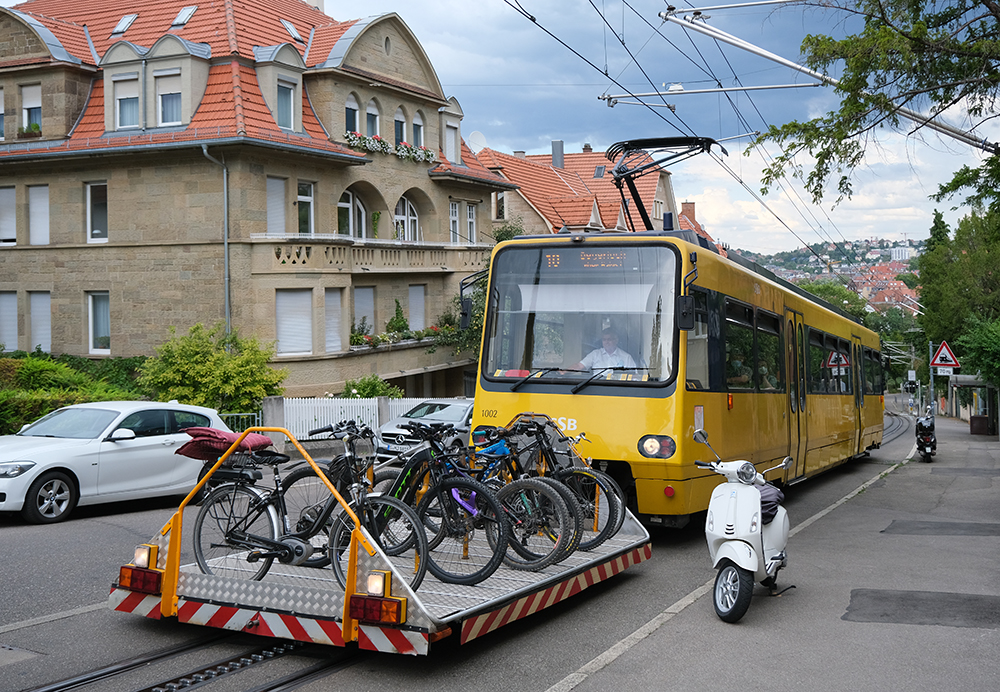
(397, 323)
(36, 373)
(370, 386)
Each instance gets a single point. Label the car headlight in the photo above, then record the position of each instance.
(13, 469)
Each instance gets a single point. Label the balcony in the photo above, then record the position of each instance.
(337, 253)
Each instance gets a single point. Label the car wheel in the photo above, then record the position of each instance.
(50, 499)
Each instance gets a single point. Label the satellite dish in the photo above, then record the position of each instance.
(477, 141)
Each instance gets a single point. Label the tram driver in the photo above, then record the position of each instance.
(608, 356)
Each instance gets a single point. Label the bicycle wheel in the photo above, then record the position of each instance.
(540, 524)
(599, 504)
(575, 512)
(306, 496)
(622, 500)
(394, 527)
(471, 532)
(224, 532)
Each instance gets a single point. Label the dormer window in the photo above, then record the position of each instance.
(31, 106)
(285, 114)
(599, 171)
(168, 97)
(292, 31)
(126, 101)
(184, 15)
(124, 23)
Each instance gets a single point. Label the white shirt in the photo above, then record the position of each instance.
(600, 358)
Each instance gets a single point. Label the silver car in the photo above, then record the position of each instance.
(99, 452)
(396, 439)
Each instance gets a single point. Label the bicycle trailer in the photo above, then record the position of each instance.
(378, 611)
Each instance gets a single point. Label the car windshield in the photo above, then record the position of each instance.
(81, 423)
(449, 413)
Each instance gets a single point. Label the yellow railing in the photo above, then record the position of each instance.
(168, 599)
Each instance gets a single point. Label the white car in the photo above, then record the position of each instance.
(99, 452)
(395, 439)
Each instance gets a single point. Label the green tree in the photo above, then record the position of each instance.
(909, 55)
(369, 387)
(980, 346)
(208, 367)
(911, 280)
(508, 229)
(837, 294)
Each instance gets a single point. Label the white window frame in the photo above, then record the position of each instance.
(372, 117)
(8, 320)
(8, 216)
(452, 147)
(333, 301)
(417, 304)
(40, 315)
(399, 126)
(418, 130)
(351, 106)
(31, 98)
(499, 205)
(307, 199)
(38, 214)
(470, 214)
(91, 238)
(453, 221)
(293, 321)
(276, 212)
(285, 116)
(357, 215)
(93, 306)
(406, 220)
(169, 84)
(124, 89)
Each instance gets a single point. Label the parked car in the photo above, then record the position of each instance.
(395, 439)
(99, 452)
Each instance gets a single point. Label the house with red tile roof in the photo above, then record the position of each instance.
(254, 162)
(575, 191)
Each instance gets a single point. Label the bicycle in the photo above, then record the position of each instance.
(242, 528)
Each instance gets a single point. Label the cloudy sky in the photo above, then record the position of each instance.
(524, 83)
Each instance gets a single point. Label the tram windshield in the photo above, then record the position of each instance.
(586, 315)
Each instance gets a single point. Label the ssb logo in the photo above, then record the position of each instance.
(566, 424)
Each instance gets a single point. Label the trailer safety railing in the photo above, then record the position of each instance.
(359, 538)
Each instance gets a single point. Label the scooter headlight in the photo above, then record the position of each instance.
(747, 473)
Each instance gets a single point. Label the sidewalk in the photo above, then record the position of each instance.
(898, 588)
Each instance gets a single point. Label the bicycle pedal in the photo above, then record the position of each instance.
(254, 556)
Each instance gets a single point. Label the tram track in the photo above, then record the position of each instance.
(202, 675)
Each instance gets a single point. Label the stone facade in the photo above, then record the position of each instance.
(162, 259)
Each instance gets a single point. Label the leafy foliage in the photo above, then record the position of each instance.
(447, 332)
(980, 346)
(397, 323)
(909, 55)
(208, 367)
(508, 229)
(369, 387)
(838, 295)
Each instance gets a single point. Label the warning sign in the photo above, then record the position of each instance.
(944, 358)
(837, 360)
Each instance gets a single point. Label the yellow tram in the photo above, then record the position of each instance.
(700, 341)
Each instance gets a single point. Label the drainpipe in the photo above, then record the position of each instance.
(142, 95)
(225, 232)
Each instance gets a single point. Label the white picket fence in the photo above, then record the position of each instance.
(303, 415)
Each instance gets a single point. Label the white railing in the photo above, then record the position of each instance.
(303, 415)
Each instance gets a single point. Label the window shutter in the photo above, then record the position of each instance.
(8, 216)
(364, 306)
(275, 206)
(333, 307)
(417, 308)
(40, 304)
(8, 320)
(38, 215)
(293, 317)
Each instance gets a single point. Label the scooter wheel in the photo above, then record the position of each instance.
(732, 593)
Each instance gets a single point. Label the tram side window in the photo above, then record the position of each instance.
(769, 370)
(872, 372)
(739, 346)
(697, 345)
(838, 362)
(818, 377)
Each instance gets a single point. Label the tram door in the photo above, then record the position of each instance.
(857, 353)
(798, 426)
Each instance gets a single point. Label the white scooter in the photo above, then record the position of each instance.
(746, 529)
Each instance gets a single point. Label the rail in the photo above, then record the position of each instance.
(168, 598)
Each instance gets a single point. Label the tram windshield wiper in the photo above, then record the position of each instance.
(534, 373)
(598, 373)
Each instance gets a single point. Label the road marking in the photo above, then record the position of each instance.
(608, 657)
(53, 617)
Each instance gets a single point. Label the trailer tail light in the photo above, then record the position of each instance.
(378, 605)
(139, 579)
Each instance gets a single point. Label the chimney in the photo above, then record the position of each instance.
(557, 154)
(587, 149)
(318, 4)
(519, 154)
(687, 208)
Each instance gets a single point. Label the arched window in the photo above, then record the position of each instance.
(418, 131)
(406, 220)
(351, 114)
(400, 126)
(371, 122)
(351, 216)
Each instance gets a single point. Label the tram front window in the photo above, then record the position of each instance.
(574, 313)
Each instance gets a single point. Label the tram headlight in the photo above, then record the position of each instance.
(747, 473)
(657, 446)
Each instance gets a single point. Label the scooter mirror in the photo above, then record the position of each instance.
(787, 462)
(700, 436)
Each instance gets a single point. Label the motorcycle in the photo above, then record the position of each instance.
(926, 439)
(746, 529)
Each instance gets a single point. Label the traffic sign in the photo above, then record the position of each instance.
(837, 360)
(944, 358)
